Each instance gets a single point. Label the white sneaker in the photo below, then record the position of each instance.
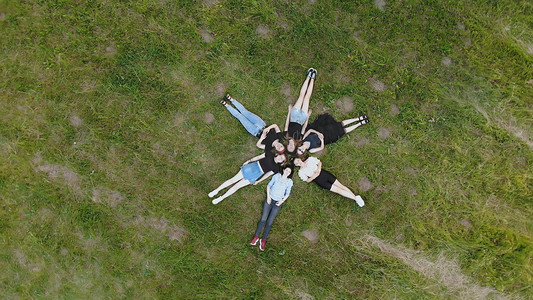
(359, 201)
(216, 200)
(212, 194)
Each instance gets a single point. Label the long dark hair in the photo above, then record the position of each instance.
(287, 137)
(291, 167)
(304, 156)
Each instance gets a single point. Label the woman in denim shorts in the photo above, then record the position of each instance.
(299, 113)
(252, 171)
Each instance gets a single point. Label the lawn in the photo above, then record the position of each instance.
(112, 135)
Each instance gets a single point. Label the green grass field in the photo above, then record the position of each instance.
(111, 136)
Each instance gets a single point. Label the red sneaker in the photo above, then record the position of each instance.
(262, 243)
(254, 240)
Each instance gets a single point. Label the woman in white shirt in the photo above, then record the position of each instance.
(311, 170)
(278, 190)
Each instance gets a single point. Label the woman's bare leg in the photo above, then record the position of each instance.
(342, 190)
(303, 90)
(242, 183)
(226, 183)
(308, 93)
(350, 121)
(351, 128)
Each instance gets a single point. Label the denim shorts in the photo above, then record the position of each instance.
(251, 171)
(298, 116)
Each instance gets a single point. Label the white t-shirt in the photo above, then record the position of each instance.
(310, 169)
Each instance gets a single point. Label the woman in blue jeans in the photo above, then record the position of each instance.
(278, 190)
(251, 122)
(255, 126)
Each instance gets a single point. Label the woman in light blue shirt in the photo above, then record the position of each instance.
(278, 190)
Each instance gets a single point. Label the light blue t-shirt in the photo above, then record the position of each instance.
(279, 187)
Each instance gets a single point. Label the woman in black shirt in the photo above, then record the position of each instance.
(298, 114)
(325, 130)
(271, 139)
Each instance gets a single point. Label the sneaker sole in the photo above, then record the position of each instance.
(359, 201)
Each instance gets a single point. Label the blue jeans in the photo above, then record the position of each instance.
(251, 122)
(270, 211)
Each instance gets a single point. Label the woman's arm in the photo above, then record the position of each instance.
(285, 196)
(265, 176)
(264, 134)
(269, 200)
(316, 173)
(260, 144)
(321, 137)
(309, 132)
(288, 118)
(256, 158)
(306, 120)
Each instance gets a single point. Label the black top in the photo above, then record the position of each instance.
(295, 130)
(329, 127)
(271, 136)
(268, 164)
(314, 140)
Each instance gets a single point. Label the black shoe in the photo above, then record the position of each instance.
(310, 72)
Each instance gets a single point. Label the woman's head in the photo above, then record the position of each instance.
(280, 159)
(299, 161)
(288, 171)
(292, 143)
(304, 147)
(278, 146)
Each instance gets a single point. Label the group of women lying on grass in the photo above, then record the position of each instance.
(285, 150)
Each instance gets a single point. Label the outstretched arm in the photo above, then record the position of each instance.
(288, 118)
(256, 158)
(269, 200)
(306, 120)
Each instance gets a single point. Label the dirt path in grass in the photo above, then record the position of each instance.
(106, 196)
(499, 116)
(445, 271)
